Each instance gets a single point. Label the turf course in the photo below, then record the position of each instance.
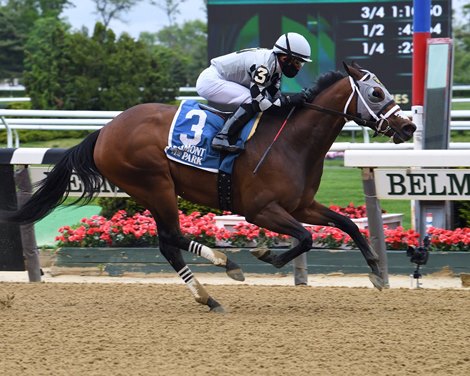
(47, 229)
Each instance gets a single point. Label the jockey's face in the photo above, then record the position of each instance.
(294, 61)
(290, 65)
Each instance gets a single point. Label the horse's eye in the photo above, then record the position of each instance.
(375, 95)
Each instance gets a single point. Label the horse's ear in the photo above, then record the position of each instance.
(356, 65)
(353, 70)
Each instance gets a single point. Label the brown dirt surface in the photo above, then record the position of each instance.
(147, 329)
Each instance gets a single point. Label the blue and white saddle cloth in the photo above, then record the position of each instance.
(191, 134)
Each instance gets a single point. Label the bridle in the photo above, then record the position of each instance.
(380, 124)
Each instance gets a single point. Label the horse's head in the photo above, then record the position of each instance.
(376, 105)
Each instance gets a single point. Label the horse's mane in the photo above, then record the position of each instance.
(324, 81)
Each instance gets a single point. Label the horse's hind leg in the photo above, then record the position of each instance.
(174, 257)
(317, 214)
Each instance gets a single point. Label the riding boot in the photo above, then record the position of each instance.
(232, 127)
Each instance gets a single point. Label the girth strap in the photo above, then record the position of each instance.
(224, 188)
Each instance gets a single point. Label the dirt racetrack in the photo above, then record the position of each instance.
(141, 329)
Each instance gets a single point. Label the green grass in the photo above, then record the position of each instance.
(342, 185)
(461, 106)
(56, 143)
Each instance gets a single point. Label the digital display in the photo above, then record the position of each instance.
(378, 35)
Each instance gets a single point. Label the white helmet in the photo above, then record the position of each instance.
(293, 44)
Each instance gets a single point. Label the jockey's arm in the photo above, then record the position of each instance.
(265, 94)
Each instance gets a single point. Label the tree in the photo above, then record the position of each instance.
(44, 61)
(52, 8)
(462, 50)
(171, 8)
(75, 72)
(17, 19)
(189, 42)
(113, 9)
(11, 49)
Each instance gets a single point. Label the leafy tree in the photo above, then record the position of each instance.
(113, 9)
(74, 71)
(189, 44)
(171, 8)
(462, 50)
(11, 48)
(44, 62)
(17, 19)
(166, 75)
(51, 8)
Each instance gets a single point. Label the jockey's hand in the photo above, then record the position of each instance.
(296, 100)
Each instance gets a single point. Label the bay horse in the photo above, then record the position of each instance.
(129, 152)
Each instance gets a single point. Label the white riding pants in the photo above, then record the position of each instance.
(219, 91)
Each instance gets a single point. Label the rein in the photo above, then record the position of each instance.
(358, 120)
(380, 119)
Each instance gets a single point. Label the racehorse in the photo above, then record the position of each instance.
(129, 152)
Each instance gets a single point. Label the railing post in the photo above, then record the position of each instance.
(11, 255)
(300, 267)
(375, 222)
(9, 133)
(28, 237)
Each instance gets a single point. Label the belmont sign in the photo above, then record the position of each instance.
(76, 187)
(423, 184)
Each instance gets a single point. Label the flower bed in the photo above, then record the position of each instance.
(140, 230)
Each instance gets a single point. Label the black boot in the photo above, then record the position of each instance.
(231, 128)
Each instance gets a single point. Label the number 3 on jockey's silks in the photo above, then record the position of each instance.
(196, 128)
(261, 75)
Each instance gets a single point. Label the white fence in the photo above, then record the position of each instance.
(14, 120)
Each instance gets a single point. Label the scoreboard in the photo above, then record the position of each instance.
(376, 34)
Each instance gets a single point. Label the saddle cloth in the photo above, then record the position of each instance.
(191, 134)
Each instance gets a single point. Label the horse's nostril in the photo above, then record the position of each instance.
(409, 128)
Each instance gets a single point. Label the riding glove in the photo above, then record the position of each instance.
(295, 100)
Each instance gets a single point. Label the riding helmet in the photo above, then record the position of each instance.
(293, 44)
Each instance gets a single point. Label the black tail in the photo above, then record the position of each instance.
(53, 190)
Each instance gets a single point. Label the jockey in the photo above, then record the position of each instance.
(250, 80)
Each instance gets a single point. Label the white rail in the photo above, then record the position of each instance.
(14, 120)
(407, 158)
(14, 99)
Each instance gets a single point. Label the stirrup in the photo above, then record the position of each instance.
(222, 144)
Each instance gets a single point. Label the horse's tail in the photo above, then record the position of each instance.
(53, 190)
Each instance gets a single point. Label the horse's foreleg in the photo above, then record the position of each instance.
(317, 214)
(273, 217)
(174, 257)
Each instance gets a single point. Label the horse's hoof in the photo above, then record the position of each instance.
(236, 274)
(215, 306)
(265, 255)
(262, 254)
(234, 271)
(377, 281)
(218, 309)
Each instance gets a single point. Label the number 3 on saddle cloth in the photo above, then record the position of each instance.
(191, 134)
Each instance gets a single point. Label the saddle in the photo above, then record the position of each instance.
(191, 133)
(223, 114)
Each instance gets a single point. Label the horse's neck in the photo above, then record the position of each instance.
(316, 131)
(322, 128)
